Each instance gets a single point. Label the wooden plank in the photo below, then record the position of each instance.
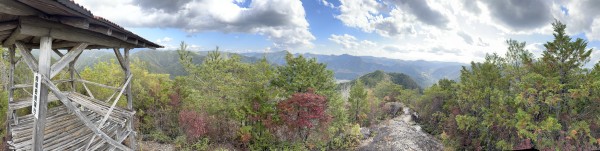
(27, 56)
(99, 107)
(81, 117)
(64, 131)
(69, 57)
(44, 70)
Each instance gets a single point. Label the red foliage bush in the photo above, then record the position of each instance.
(193, 123)
(304, 111)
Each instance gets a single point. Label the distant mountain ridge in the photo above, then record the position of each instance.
(346, 67)
(372, 79)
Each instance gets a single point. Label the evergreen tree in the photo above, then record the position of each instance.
(358, 101)
(564, 57)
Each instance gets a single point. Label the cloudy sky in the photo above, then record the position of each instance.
(440, 30)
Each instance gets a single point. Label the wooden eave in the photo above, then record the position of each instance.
(65, 21)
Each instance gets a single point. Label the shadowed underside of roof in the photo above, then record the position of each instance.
(64, 20)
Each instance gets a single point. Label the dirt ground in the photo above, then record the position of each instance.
(154, 146)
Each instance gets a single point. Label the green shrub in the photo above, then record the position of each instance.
(180, 142)
(160, 137)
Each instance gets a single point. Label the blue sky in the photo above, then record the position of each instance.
(435, 30)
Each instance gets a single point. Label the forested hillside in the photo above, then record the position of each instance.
(344, 67)
(348, 67)
(516, 101)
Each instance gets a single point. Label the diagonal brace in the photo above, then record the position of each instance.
(65, 60)
(27, 56)
(112, 107)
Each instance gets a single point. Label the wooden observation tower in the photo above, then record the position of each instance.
(80, 122)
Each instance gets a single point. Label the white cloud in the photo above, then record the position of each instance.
(594, 33)
(390, 17)
(583, 16)
(465, 31)
(326, 3)
(350, 42)
(164, 40)
(282, 22)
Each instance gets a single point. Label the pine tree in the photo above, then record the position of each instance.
(564, 57)
(358, 100)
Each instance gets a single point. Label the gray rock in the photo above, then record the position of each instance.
(395, 134)
(365, 132)
(393, 108)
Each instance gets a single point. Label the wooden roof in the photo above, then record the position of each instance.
(64, 20)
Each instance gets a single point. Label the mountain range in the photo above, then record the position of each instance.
(345, 67)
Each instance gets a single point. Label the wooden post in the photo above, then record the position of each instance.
(132, 140)
(72, 75)
(11, 83)
(39, 123)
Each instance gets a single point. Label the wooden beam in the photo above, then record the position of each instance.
(12, 38)
(132, 140)
(97, 84)
(55, 45)
(27, 56)
(11, 82)
(101, 29)
(75, 21)
(8, 25)
(120, 138)
(39, 122)
(132, 40)
(85, 86)
(72, 73)
(60, 54)
(112, 107)
(63, 62)
(82, 117)
(120, 58)
(16, 8)
(119, 35)
(33, 27)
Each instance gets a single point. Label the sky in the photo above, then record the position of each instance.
(432, 30)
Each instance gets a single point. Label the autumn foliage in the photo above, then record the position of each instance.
(304, 112)
(193, 124)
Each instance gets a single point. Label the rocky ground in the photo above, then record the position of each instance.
(154, 146)
(399, 133)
